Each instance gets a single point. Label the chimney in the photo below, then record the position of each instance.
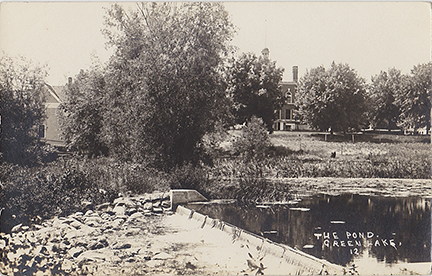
(295, 73)
(69, 80)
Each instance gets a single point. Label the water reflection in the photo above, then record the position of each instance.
(340, 228)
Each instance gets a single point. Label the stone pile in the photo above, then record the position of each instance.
(94, 241)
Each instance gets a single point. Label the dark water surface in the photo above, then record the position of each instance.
(340, 228)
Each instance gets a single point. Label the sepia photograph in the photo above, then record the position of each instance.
(215, 138)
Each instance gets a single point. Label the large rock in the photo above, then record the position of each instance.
(131, 211)
(16, 228)
(68, 266)
(126, 201)
(2, 245)
(157, 210)
(119, 210)
(93, 221)
(133, 232)
(105, 216)
(76, 251)
(87, 205)
(94, 255)
(148, 206)
(77, 215)
(135, 217)
(90, 231)
(98, 243)
(73, 234)
(162, 256)
(76, 224)
(115, 224)
(121, 245)
(103, 206)
(64, 246)
(166, 204)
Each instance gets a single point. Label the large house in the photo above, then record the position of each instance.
(285, 119)
(50, 130)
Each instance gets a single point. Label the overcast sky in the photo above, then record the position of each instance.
(369, 36)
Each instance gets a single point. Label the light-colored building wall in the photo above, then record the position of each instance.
(50, 130)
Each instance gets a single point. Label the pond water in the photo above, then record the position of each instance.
(342, 229)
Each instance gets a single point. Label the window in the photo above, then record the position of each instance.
(41, 131)
(289, 97)
(288, 114)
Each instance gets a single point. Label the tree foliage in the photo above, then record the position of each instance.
(254, 140)
(384, 91)
(415, 100)
(82, 113)
(333, 99)
(21, 109)
(253, 84)
(164, 83)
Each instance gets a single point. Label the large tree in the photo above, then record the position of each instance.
(82, 113)
(415, 100)
(253, 85)
(333, 99)
(164, 82)
(384, 91)
(21, 109)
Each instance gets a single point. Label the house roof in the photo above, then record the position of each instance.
(54, 94)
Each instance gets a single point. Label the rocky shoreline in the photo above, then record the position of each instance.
(93, 241)
(137, 235)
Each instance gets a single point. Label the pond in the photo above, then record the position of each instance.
(342, 229)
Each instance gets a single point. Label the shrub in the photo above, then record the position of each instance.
(59, 188)
(211, 142)
(42, 192)
(256, 185)
(191, 177)
(254, 140)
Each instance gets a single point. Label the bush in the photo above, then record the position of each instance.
(274, 151)
(191, 177)
(254, 140)
(59, 188)
(37, 193)
(211, 143)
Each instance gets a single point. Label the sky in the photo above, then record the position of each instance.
(369, 36)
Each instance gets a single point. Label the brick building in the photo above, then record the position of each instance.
(285, 119)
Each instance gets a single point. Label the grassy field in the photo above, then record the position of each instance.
(308, 155)
(364, 146)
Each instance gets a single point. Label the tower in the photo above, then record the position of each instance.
(265, 53)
